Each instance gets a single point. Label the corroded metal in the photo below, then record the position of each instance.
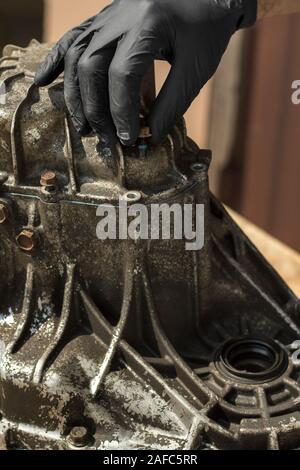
(3, 213)
(48, 179)
(123, 344)
(26, 240)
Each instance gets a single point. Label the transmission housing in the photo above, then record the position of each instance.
(129, 344)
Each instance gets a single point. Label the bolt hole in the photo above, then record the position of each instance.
(252, 359)
(132, 196)
(198, 167)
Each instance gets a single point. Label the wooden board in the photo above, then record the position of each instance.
(285, 260)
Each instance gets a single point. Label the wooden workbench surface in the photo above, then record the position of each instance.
(285, 260)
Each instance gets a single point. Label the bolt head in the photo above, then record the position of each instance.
(26, 240)
(79, 436)
(48, 178)
(3, 213)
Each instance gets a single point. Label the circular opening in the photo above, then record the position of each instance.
(252, 359)
(26, 240)
(79, 436)
(198, 167)
(132, 196)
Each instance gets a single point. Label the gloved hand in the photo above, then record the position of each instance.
(105, 59)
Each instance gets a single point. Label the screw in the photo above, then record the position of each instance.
(199, 167)
(26, 240)
(3, 213)
(48, 179)
(143, 145)
(79, 436)
(145, 133)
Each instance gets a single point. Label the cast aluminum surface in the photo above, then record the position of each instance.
(121, 344)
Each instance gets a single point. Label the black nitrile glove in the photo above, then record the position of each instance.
(105, 59)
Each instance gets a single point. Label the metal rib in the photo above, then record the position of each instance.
(118, 330)
(61, 329)
(255, 287)
(31, 213)
(8, 58)
(187, 376)
(70, 158)
(262, 403)
(15, 151)
(293, 384)
(25, 315)
(273, 443)
(194, 438)
(180, 136)
(181, 407)
(6, 68)
(202, 371)
(171, 156)
(273, 439)
(6, 81)
(121, 163)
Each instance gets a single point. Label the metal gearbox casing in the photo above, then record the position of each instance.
(123, 344)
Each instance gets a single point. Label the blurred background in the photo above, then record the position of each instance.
(245, 113)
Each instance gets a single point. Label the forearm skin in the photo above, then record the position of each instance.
(268, 8)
